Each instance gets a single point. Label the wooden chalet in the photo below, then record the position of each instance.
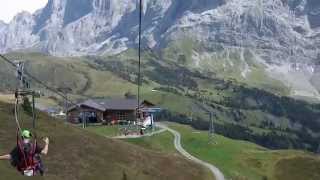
(106, 110)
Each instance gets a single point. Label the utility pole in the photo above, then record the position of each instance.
(66, 107)
(19, 73)
(211, 128)
(33, 111)
(139, 55)
(191, 113)
(25, 94)
(65, 92)
(23, 85)
(65, 89)
(83, 120)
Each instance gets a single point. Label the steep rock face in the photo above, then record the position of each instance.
(70, 27)
(313, 11)
(3, 32)
(17, 35)
(284, 35)
(268, 24)
(78, 27)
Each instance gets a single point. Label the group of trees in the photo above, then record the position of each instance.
(297, 111)
(127, 71)
(175, 77)
(273, 139)
(171, 75)
(166, 75)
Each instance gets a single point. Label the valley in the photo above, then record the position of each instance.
(242, 110)
(165, 89)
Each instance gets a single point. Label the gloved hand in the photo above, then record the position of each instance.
(46, 140)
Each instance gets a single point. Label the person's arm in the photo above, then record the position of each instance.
(5, 157)
(46, 146)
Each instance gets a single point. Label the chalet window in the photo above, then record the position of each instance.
(88, 116)
(121, 115)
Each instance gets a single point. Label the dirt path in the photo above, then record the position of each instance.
(177, 143)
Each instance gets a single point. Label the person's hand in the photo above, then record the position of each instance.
(46, 140)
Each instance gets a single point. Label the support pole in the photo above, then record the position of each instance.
(83, 123)
(66, 107)
(152, 123)
(33, 111)
(211, 128)
(139, 54)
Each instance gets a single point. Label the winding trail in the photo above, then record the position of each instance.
(177, 143)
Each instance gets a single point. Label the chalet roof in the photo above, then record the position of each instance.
(93, 104)
(110, 104)
(118, 104)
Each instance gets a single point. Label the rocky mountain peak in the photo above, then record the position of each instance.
(80, 27)
(282, 35)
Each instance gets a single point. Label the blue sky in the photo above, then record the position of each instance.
(9, 8)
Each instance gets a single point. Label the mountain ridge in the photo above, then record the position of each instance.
(282, 36)
(109, 26)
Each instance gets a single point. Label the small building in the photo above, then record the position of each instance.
(106, 110)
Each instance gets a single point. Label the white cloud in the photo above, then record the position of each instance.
(9, 8)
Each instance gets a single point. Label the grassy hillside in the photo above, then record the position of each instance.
(240, 159)
(77, 74)
(75, 154)
(232, 63)
(242, 110)
(162, 142)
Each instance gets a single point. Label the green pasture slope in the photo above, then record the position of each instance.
(75, 154)
(162, 142)
(184, 89)
(239, 159)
